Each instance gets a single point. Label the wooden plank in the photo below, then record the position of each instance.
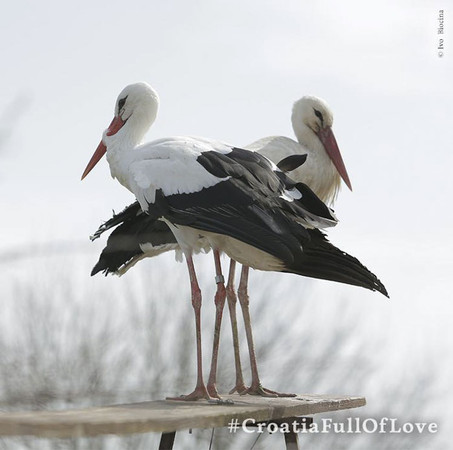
(166, 416)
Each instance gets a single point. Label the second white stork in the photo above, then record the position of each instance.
(312, 121)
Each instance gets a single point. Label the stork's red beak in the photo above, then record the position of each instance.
(113, 128)
(327, 137)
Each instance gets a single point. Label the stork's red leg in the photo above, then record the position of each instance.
(232, 300)
(219, 305)
(200, 390)
(255, 388)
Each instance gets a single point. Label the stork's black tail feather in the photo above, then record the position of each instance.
(321, 259)
(133, 228)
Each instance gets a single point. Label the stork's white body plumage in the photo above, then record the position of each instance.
(168, 164)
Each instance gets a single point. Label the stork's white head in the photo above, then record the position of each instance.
(137, 107)
(311, 112)
(312, 121)
(139, 103)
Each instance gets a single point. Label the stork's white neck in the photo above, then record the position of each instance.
(307, 137)
(319, 171)
(127, 138)
(120, 148)
(121, 145)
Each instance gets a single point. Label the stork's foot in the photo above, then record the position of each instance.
(215, 396)
(264, 392)
(199, 393)
(212, 391)
(239, 388)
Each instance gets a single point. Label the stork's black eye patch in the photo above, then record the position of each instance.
(318, 114)
(121, 102)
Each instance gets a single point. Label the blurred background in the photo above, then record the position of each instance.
(229, 71)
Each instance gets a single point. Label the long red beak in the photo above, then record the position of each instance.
(327, 137)
(113, 128)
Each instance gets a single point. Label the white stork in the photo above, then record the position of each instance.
(312, 121)
(213, 195)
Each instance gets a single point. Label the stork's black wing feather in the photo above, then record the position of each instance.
(128, 213)
(291, 162)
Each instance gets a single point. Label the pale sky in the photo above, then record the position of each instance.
(230, 70)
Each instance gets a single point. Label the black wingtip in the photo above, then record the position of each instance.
(382, 289)
(376, 283)
(96, 269)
